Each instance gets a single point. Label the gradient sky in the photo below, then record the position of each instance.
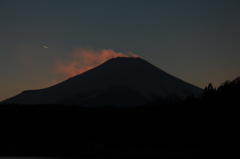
(197, 41)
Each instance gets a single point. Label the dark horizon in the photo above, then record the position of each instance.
(192, 128)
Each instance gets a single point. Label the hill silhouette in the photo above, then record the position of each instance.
(194, 127)
(119, 81)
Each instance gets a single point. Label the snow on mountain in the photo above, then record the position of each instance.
(119, 81)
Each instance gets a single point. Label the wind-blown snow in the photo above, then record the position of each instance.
(115, 78)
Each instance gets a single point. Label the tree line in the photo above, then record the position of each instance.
(194, 127)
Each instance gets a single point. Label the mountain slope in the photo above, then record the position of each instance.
(118, 81)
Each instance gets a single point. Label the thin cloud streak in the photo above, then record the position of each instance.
(45, 47)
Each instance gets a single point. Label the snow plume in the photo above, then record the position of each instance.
(85, 59)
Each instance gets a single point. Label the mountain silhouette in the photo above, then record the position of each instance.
(119, 81)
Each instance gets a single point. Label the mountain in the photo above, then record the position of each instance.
(119, 81)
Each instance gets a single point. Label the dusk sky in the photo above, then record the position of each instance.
(197, 41)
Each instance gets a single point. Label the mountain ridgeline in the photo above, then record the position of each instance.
(117, 82)
(204, 127)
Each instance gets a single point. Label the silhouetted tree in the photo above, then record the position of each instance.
(170, 126)
(209, 93)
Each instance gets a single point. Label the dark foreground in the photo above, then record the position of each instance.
(61, 131)
(202, 128)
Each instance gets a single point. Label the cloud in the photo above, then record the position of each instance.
(45, 47)
(83, 60)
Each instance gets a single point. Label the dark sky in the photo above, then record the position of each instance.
(195, 40)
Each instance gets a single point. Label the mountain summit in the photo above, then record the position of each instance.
(119, 81)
